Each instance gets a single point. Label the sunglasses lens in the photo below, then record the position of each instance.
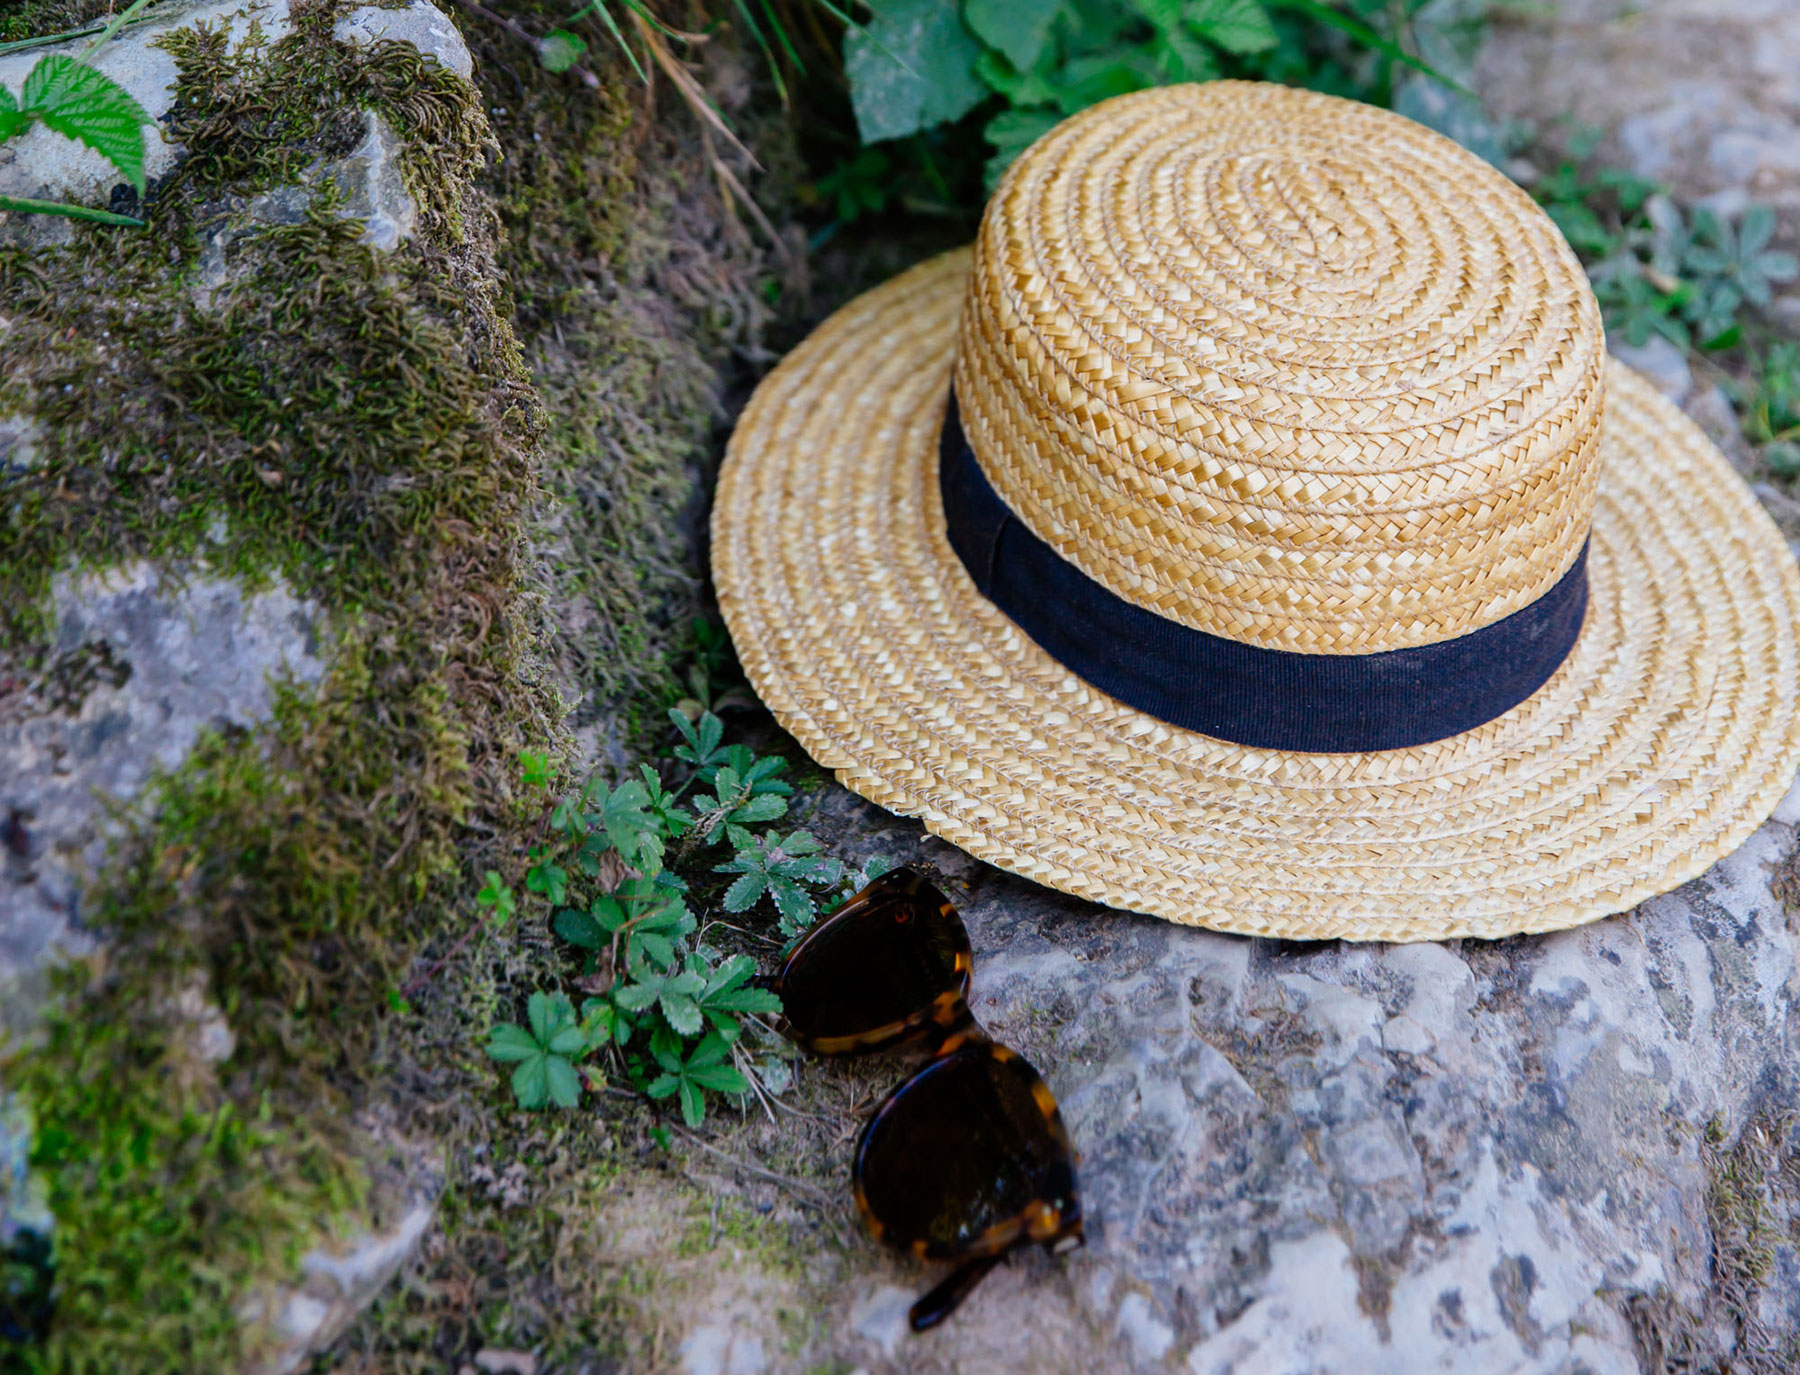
(970, 1144)
(879, 961)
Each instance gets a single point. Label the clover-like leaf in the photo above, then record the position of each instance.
(560, 50)
(544, 1072)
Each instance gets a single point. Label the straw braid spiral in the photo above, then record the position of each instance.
(1284, 368)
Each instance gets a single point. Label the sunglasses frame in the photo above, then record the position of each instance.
(948, 1024)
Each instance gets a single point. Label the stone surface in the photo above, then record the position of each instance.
(1331, 1159)
(1701, 94)
(139, 667)
(419, 23)
(47, 166)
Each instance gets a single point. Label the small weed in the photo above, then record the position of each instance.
(664, 1009)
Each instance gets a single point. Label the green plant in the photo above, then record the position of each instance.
(920, 63)
(665, 1008)
(1656, 271)
(70, 98)
(545, 1052)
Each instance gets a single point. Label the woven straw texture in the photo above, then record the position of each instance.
(1285, 368)
(1661, 743)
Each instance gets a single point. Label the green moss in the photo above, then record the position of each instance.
(629, 288)
(31, 18)
(361, 426)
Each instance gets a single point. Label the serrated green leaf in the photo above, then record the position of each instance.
(729, 975)
(570, 1040)
(1020, 29)
(759, 809)
(538, 1008)
(720, 1079)
(752, 1000)
(560, 50)
(11, 120)
(531, 1082)
(742, 895)
(564, 1084)
(81, 103)
(910, 67)
(1237, 26)
(655, 947)
(509, 1042)
(793, 902)
(711, 1050)
(635, 997)
(662, 1086)
(578, 928)
(693, 1106)
(682, 1013)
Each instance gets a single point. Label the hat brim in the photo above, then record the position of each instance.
(1664, 740)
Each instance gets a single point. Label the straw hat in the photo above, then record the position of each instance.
(1286, 558)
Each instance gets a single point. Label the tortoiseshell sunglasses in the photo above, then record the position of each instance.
(968, 1159)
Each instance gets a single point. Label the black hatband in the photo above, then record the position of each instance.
(1262, 698)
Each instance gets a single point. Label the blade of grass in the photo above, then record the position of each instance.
(119, 21)
(780, 31)
(28, 206)
(768, 53)
(690, 89)
(1367, 36)
(619, 38)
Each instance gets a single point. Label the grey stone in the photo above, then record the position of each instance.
(721, 1349)
(374, 190)
(19, 437)
(1468, 1156)
(338, 1283)
(47, 166)
(420, 23)
(1664, 363)
(1701, 94)
(139, 667)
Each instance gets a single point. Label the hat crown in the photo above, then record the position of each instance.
(1283, 368)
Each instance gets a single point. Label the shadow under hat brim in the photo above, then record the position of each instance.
(1664, 740)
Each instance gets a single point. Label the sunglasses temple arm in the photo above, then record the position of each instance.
(942, 1301)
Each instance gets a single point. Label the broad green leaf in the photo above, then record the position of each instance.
(551, 880)
(655, 947)
(571, 1040)
(578, 928)
(560, 50)
(531, 1082)
(83, 104)
(662, 1086)
(564, 1084)
(720, 1079)
(693, 1106)
(509, 1042)
(635, 997)
(760, 809)
(756, 1000)
(683, 1015)
(549, 1014)
(710, 1051)
(1238, 26)
(910, 67)
(11, 120)
(742, 895)
(1011, 132)
(1018, 28)
(793, 901)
